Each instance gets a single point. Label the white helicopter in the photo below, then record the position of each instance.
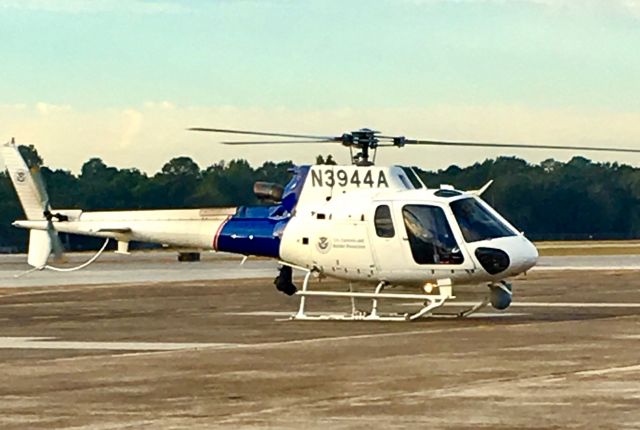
(376, 226)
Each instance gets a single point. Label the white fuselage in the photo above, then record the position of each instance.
(339, 239)
(335, 232)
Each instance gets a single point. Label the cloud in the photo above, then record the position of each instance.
(48, 109)
(147, 136)
(132, 124)
(159, 105)
(626, 7)
(97, 6)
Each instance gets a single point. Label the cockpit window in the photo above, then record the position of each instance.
(430, 236)
(476, 222)
(383, 222)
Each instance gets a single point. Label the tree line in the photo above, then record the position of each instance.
(579, 199)
(552, 200)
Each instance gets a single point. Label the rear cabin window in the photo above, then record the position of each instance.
(383, 222)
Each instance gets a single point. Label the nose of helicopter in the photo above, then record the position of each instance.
(523, 255)
(507, 256)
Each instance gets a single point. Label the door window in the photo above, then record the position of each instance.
(430, 236)
(383, 222)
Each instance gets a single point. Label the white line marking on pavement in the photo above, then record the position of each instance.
(278, 314)
(426, 331)
(573, 305)
(600, 372)
(583, 268)
(52, 343)
(543, 305)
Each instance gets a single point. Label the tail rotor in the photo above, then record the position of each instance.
(56, 244)
(30, 187)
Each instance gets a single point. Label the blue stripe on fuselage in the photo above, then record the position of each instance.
(258, 231)
(251, 236)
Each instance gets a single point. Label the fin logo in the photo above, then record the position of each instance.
(323, 245)
(21, 176)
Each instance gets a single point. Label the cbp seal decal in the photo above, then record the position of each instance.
(21, 176)
(323, 245)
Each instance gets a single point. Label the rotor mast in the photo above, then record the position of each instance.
(364, 140)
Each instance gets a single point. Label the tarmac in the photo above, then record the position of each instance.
(146, 347)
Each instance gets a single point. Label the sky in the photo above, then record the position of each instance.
(122, 80)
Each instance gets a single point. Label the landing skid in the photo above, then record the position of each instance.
(431, 302)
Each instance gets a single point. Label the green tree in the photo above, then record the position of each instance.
(181, 166)
(328, 161)
(31, 156)
(550, 200)
(178, 180)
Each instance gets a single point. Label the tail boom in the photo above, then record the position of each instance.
(189, 228)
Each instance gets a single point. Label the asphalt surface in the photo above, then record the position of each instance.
(161, 266)
(138, 267)
(190, 354)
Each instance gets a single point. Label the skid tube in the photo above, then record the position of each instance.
(431, 302)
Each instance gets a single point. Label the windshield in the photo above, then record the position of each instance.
(476, 222)
(430, 237)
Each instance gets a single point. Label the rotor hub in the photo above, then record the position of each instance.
(364, 140)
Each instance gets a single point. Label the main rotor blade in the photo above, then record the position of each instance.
(274, 142)
(262, 133)
(515, 145)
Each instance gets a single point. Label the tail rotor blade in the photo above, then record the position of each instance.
(40, 185)
(56, 244)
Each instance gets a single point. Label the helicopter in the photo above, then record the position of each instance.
(375, 226)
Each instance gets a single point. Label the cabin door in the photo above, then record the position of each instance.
(386, 233)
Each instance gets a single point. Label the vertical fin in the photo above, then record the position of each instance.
(34, 202)
(31, 198)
